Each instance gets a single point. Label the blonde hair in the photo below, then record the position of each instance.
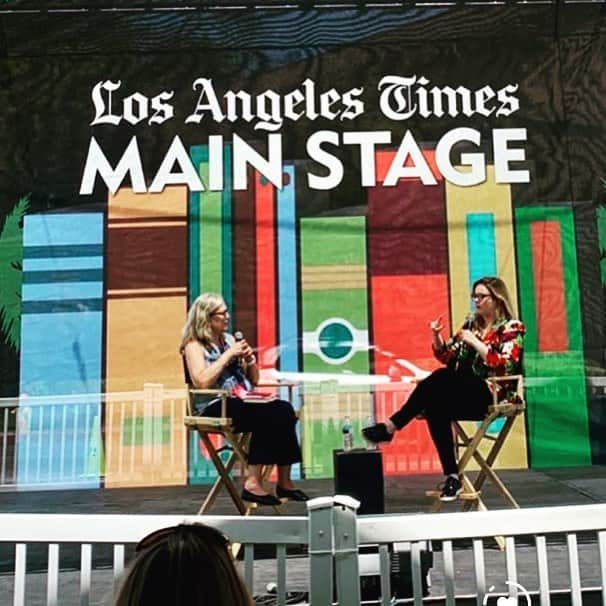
(497, 288)
(197, 324)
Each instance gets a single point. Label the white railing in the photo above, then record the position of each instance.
(569, 541)
(125, 439)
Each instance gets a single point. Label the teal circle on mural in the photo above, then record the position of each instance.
(336, 340)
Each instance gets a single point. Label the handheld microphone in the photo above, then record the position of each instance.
(468, 323)
(239, 336)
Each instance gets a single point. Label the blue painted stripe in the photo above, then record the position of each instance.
(62, 291)
(61, 306)
(481, 249)
(58, 263)
(51, 230)
(287, 274)
(61, 348)
(74, 250)
(63, 275)
(288, 314)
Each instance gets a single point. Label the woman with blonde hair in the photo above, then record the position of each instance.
(185, 565)
(214, 359)
(489, 343)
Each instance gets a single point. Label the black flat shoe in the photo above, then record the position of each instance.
(293, 495)
(260, 499)
(377, 433)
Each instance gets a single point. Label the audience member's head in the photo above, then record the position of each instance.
(185, 565)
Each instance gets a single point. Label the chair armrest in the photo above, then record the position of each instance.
(518, 379)
(278, 383)
(220, 393)
(290, 385)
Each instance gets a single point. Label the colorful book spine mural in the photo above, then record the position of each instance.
(553, 358)
(334, 314)
(480, 243)
(408, 265)
(288, 299)
(211, 235)
(59, 436)
(265, 241)
(146, 257)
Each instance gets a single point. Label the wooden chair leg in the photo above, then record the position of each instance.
(224, 478)
(495, 450)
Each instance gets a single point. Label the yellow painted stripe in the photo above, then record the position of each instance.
(495, 198)
(147, 291)
(146, 224)
(488, 197)
(337, 277)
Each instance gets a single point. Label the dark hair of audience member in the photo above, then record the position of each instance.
(185, 565)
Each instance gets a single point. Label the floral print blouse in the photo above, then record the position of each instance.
(505, 345)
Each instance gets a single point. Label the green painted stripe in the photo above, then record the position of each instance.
(601, 223)
(226, 232)
(558, 425)
(527, 295)
(333, 241)
(137, 431)
(211, 248)
(194, 231)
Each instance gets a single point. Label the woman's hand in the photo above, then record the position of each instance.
(436, 328)
(238, 349)
(436, 325)
(468, 337)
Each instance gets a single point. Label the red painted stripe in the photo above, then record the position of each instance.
(408, 263)
(244, 224)
(407, 224)
(384, 158)
(548, 268)
(266, 270)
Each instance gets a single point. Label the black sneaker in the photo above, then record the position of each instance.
(451, 489)
(377, 433)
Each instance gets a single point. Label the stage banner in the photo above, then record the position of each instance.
(341, 176)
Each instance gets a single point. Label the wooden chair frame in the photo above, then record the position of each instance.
(471, 495)
(236, 443)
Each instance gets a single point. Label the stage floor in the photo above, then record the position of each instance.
(531, 488)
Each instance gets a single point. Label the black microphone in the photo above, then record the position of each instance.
(469, 319)
(239, 336)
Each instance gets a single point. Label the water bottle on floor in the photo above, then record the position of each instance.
(347, 431)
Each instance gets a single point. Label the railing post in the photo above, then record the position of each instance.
(320, 549)
(347, 571)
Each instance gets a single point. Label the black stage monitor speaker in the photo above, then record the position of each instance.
(400, 572)
(359, 474)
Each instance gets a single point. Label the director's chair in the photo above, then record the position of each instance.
(505, 409)
(234, 443)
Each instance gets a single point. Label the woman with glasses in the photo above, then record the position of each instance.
(189, 564)
(489, 343)
(215, 359)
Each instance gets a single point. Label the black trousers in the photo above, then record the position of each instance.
(446, 395)
(272, 426)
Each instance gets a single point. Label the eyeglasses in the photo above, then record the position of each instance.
(204, 532)
(480, 296)
(220, 313)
